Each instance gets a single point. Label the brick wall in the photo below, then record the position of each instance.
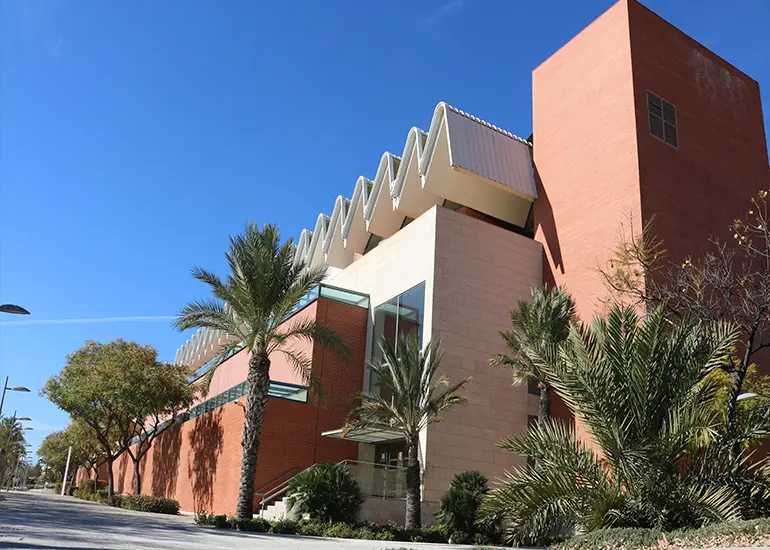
(199, 463)
(585, 155)
(697, 190)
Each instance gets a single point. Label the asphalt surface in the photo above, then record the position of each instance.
(44, 521)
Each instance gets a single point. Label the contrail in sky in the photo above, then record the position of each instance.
(85, 321)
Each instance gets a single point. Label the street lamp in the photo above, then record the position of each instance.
(14, 309)
(6, 388)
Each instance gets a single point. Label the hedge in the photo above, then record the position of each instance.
(719, 535)
(359, 530)
(141, 503)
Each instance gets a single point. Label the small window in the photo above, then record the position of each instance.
(533, 386)
(662, 116)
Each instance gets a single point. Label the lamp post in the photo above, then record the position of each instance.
(14, 309)
(6, 388)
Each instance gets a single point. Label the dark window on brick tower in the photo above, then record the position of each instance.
(662, 116)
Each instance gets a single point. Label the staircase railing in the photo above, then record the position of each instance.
(377, 480)
(279, 490)
(271, 485)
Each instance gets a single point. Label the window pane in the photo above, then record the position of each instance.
(672, 138)
(656, 126)
(669, 112)
(410, 311)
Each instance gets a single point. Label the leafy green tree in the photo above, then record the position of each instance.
(459, 506)
(537, 327)
(52, 453)
(150, 396)
(326, 492)
(89, 389)
(645, 391)
(418, 399)
(250, 309)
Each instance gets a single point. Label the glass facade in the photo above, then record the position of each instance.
(280, 390)
(399, 315)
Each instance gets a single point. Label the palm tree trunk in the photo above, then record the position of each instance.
(256, 400)
(544, 407)
(413, 507)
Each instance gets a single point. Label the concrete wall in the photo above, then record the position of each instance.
(397, 264)
(480, 272)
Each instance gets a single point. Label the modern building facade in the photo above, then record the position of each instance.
(632, 119)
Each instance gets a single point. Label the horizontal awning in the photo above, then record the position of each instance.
(370, 435)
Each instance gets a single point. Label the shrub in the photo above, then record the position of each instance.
(365, 533)
(219, 521)
(459, 506)
(460, 537)
(147, 503)
(328, 493)
(311, 529)
(614, 538)
(285, 527)
(202, 518)
(435, 533)
(339, 531)
(384, 535)
(257, 525)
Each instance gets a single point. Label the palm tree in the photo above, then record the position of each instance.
(249, 308)
(407, 373)
(535, 327)
(646, 391)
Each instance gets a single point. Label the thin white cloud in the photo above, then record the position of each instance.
(31, 322)
(443, 11)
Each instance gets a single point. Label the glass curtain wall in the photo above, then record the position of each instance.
(399, 315)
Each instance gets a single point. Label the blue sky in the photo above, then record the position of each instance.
(136, 136)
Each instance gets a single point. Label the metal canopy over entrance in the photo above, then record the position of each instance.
(370, 435)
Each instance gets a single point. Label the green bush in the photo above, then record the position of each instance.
(219, 521)
(147, 503)
(435, 534)
(311, 529)
(257, 525)
(727, 534)
(328, 493)
(365, 533)
(458, 509)
(613, 538)
(384, 535)
(202, 518)
(460, 537)
(339, 531)
(285, 527)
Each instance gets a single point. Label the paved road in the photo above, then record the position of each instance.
(46, 521)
